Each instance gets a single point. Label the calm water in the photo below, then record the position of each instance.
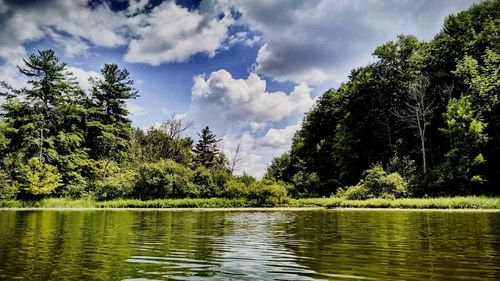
(249, 245)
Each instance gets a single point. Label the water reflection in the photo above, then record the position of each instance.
(215, 245)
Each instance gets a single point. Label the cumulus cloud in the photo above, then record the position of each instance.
(279, 138)
(243, 110)
(153, 34)
(25, 21)
(171, 33)
(82, 76)
(232, 104)
(322, 40)
(256, 153)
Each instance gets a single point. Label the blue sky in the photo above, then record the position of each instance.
(248, 69)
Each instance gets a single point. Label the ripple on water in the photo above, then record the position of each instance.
(306, 245)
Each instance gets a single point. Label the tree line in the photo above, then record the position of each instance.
(57, 140)
(423, 120)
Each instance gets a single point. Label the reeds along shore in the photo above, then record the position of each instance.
(470, 202)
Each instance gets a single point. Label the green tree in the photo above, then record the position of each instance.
(108, 126)
(206, 152)
(465, 131)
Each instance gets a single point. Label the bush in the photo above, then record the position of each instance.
(119, 184)
(393, 184)
(76, 188)
(220, 178)
(268, 193)
(305, 184)
(356, 192)
(235, 188)
(407, 168)
(8, 188)
(164, 179)
(41, 179)
(202, 179)
(376, 183)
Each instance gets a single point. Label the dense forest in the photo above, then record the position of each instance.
(423, 120)
(57, 140)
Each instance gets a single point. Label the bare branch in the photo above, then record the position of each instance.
(236, 159)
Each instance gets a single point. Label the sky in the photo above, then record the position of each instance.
(249, 70)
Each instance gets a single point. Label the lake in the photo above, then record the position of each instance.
(249, 245)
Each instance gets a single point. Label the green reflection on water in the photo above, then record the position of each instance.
(320, 244)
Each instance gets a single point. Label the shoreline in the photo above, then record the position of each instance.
(253, 209)
(442, 203)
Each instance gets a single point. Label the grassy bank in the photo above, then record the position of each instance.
(470, 202)
(407, 203)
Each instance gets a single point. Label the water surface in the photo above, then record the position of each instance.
(249, 245)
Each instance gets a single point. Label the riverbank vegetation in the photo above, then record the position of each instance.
(423, 120)
(470, 202)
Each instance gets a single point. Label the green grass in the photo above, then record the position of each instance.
(176, 203)
(469, 202)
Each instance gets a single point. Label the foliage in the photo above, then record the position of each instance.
(409, 103)
(429, 112)
(164, 179)
(466, 133)
(268, 193)
(8, 188)
(119, 183)
(41, 179)
(206, 152)
(376, 183)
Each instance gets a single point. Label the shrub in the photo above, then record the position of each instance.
(164, 179)
(220, 178)
(235, 188)
(41, 179)
(119, 184)
(202, 179)
(405, 167)
(305, 184)
(356, 192)
(268, 193)
(8, 188)
(395, 185)
(376, 183)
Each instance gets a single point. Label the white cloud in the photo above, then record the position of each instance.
(82, 76)
(166, 33)
(136, 109)
(321, 40)
(256, 153)
(230, 104)
(171, 33)
(279, 138)
(71, 45)
(241, 110)
(137, 6)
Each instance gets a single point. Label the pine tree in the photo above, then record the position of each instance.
(46, 121)
(206, 152)
(109, 126)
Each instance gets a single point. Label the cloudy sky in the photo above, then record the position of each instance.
(248, 69)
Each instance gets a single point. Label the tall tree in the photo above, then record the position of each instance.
(109, 126)
(466, 132)
(206, 152)
(417, 112)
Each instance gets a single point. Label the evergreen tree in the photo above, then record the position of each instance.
(206, 152)
(108, 126)
(44, 119)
